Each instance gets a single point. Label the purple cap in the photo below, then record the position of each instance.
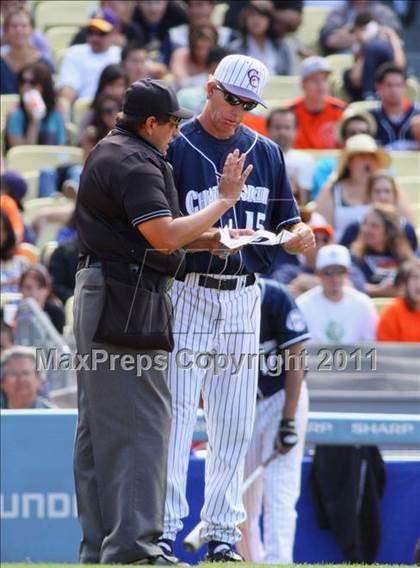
(15, 184)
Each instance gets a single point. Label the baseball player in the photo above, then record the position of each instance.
(280, 424)
(217, 303)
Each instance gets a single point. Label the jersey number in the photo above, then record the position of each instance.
(258, 217)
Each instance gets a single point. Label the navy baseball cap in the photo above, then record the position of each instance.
(150, 97)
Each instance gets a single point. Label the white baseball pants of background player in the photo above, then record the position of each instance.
(277, 489)
(224, 323)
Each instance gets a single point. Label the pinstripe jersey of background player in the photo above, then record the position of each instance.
(217, 304)
(280, 423)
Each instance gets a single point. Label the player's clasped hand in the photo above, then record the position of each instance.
(234, 176)
(286, 436)
(303, 239)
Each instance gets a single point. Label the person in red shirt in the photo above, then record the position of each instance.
(317, 113)
(400, 320)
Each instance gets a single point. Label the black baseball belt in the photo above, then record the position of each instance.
(221, 284)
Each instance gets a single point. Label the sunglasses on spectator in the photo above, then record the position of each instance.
(321, 238)
(233, 100)
(28, 81)
(109, 110)
(94, 31)
(334, 272)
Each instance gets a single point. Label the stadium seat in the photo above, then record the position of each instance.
(313, 19)
(68, 312)
(361, 106)
(29, 251)
(218, 14)
(80, 107)
(32, 179)
(27, 158)
(410, 185)
(59, 37)
(52, 13)
(7, 103)
(380, 303)
(47, 251)
(416, 208)
(281, 87)
(71, 131)
(9, 297)
(405, 163)
(34, 207)
(340, 62)
(413, 89)
(318, 154)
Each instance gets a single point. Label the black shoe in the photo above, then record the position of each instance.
(222, 552)
(161, 560)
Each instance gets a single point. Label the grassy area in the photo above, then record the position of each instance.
(210, 565)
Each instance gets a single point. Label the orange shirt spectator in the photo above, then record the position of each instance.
(317, 113)
(256, 122)
(400, 320)
(317, 130)
(9, 206)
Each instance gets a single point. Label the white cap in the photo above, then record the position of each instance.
(314, 64)
(333, 255)
(242, 76)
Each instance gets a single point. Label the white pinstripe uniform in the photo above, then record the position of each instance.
(221, 321)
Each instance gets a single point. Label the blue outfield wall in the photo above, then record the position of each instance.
(38, 509)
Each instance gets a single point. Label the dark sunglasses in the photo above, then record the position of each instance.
(233, 100)
(174, 120)
(109, 110)
(94, 31)
(26, 81)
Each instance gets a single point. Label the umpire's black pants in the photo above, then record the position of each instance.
(121, 443)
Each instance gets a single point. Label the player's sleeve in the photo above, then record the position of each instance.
(290, 324)
(143, 194)
(285, 209)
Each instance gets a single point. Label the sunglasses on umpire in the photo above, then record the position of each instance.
(233, 100)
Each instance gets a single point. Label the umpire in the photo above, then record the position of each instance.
(130, 232)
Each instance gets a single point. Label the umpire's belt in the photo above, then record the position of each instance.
(220, 284)
(91, 261)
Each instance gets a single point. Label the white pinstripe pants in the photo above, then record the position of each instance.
(277, 489)
(225, 322)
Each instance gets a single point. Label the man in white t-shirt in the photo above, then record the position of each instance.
(282, 128)
(82, 64)
(334, 311)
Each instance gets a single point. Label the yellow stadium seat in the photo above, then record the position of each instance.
(413, 89)
(380, 303)
(71, 131)
(314, 18)
(362, 106)
(218, 14)
(7, 104)
(417, 214)
(27, 158)
(280, 87)
(68, 313)
(410, 186)
(319, 154)
(8, 297)
(47, 251)
(80, 107)
(32, 179)
(52, 13)
(59, 37)
(405, 163)
(48, 230)
(340, 62)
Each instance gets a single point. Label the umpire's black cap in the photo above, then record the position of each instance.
(150, 97)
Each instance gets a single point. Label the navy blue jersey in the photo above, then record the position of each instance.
(388, 132)
(266, 201)
(282, 325)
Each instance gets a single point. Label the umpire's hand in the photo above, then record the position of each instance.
(286, 436)
(302, 240)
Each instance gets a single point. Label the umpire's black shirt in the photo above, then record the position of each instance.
(125, 181)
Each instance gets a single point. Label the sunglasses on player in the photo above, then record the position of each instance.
(233, 100)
